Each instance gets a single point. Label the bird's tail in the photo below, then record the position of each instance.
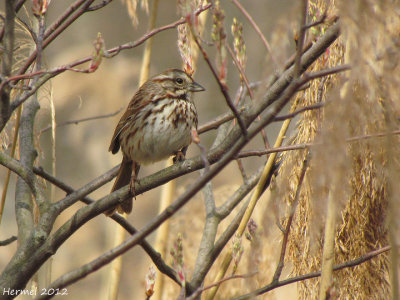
(123, 178)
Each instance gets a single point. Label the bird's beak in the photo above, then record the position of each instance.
(195, 87)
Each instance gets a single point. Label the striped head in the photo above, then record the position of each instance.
(177, 83)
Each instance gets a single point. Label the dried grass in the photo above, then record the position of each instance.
(355, 171)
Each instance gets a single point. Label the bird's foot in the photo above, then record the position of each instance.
(132, 187)
(179, 156)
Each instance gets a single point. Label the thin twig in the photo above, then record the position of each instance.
(214, 124)
(274, 150)
(300, 110)
(286, 232)
(77, 121)
(198, 292)
(218, 121)
(240, 69)
(317, 22)
(246, 82)
(326, 72)
(54, 30)
(85, 190)
(258, 30)
(338, 267)
(290, 61)
(308, 145)
(8, 241)
(221, 85)
(18, 6)
(301, 37)
(7, 60)
(98, 6)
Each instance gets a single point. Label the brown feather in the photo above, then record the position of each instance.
(123, 178)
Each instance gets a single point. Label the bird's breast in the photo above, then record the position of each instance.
(160, 130)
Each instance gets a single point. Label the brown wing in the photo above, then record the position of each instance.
(137, 102)
(115, 143)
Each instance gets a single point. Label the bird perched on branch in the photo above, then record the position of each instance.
(160, 121)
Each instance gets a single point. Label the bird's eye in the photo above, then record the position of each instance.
(179, 80)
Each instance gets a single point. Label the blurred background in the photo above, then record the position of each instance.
(82, 149)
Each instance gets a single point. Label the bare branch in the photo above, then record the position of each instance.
(58, 27)
(300, 110)
(77, 121)
(153, 254)
(224, 210)
(293, 207)
(8, 241)
(19, 169)
(207, 261)
(7, 60)
(301, 37)
(326, 72)
(308, 145)
(198, 292)
(98, 6)
(273, 150)
(86, 189)
(317, 22)
(221, 85)
(338, 267)
(214, 124)
(18, 6)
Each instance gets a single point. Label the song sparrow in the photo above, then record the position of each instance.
(158, 123)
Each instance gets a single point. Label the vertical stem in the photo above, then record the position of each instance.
(392, 178)
(116, 265)
(254, 199)
(144, 71)
(7, 58)
(394, 260)
(167, 194)
(23, 197)
(24, 206)
(43, 276)
(301, 37)
(328, 254)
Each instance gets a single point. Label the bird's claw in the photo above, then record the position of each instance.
(179, 156)
(132, 187)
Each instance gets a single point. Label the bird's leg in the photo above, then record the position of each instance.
(180, 155)
(135, 172)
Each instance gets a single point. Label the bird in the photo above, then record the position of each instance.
(159, 122)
